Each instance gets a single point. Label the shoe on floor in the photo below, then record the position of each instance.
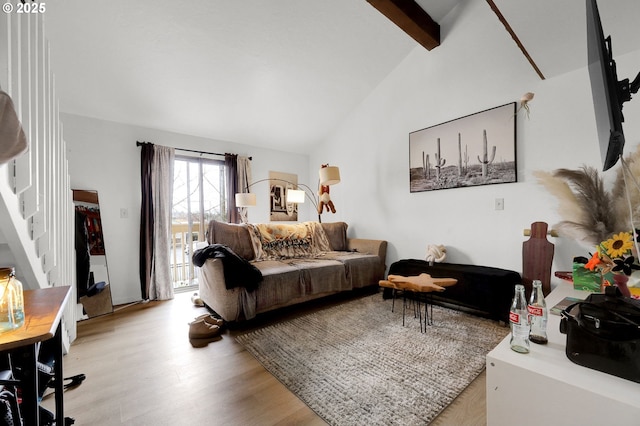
(209, 319)
(196, 300)
(201, 343)
(202, 330)
(201, 333)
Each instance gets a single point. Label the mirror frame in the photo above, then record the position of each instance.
(100, 303)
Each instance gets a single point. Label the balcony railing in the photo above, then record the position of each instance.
(183, 273)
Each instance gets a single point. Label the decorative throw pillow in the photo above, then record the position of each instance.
(234, 236)
(279, 241)
(337, 235)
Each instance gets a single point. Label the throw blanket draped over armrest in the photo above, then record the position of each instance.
(238, 272)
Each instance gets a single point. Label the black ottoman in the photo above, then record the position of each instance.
(480, 290)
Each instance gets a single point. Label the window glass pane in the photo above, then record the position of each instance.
(214, 188)
(199, 195)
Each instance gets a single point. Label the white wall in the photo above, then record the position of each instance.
(103, 156)
(477, 67)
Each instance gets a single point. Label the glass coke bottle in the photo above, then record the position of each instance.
(519, 320)
(538, 314)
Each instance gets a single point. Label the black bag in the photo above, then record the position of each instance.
(603, 333)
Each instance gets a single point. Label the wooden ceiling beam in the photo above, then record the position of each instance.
(515, 38)
(412, 19)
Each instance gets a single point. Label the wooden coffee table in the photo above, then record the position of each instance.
(421, 286)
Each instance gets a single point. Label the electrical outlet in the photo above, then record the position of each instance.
(124, 213)
(499, 204)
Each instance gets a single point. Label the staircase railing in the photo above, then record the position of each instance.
(36, 209)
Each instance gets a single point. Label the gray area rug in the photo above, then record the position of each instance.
(355, 364)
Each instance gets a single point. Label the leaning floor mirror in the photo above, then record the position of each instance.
(92, 275)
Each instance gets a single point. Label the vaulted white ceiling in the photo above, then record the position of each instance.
(554, 32)
(280, 73)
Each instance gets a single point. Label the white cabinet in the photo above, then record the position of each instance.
(544, 387)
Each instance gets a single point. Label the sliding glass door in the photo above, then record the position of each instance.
(199, 195)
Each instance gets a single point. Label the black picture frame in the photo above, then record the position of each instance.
(477, 149)
(280, 210)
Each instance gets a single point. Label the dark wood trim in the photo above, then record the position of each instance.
(515, 37)
(412, 19)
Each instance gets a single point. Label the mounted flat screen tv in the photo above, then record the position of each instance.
(608, 93)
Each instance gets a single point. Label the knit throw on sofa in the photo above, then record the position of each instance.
(278, 241)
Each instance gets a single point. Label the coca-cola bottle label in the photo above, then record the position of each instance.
(535, 310)
(514, 317)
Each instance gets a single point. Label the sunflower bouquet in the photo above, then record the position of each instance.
(613, 262)
(615, 255)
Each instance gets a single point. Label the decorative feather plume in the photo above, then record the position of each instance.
(568, 205)
(600, 221)
(591, 213)
(627, 187)
(585, 205)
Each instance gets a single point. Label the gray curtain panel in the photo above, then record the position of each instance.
(161, 286)
(155, 221)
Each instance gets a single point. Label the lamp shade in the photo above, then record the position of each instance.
(295, 196)
(329, 175)
(245, 199)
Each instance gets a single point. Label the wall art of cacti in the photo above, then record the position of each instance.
(485, 158)
(426, 166)
(444, 156)
(440, 162)
(463, 158)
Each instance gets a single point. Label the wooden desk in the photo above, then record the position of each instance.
(43, 311)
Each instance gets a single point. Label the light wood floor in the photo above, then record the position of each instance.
(141, 370)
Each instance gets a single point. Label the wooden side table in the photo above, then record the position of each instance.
(43, 313)
(421, 286)
(480, 290)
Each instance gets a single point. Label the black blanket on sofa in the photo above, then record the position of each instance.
(238, 272)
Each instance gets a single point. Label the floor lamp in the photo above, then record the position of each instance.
(295, 196)
(329, 175)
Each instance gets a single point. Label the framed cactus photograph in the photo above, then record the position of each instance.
(478, 149)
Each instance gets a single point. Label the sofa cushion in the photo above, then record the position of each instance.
(283, 241)
(361, 269)
(337, 235)
(290, 280)
(234, 236)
